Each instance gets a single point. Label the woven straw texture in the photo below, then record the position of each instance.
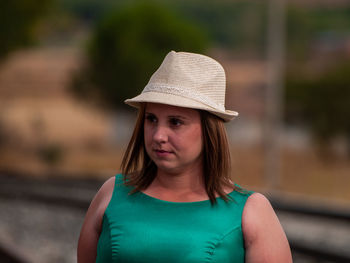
(188, 80)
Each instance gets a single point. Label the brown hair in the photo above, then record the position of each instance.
(139, 170)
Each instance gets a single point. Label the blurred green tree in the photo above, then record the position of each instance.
(18, 19)
(126, 48)
(321, 101)
(308, 25)
(237, 25)
(300, 32)
(87, 10)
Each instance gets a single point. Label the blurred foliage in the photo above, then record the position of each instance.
(86, 10)
(306, 26)
(238, 25)
(18, 19)
(318, 70)
(235, 24)
(127, 47)
(321, 101)
(299, 32)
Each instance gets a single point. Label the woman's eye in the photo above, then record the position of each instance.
(151, 118)
(175, 122)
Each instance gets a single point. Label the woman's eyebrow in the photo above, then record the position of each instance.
(178, 117)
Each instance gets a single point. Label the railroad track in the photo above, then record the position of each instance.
(77, 194)
(323, 249)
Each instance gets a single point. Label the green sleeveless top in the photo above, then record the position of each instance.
(140, 228)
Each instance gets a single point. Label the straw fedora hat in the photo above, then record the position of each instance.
(187, 80)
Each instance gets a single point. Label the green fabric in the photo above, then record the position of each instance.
(141, 228)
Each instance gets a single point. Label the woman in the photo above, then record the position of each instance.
(175, 201)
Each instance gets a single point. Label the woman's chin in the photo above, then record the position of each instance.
(167, 168)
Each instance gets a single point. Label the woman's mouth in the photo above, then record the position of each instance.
(162, 153)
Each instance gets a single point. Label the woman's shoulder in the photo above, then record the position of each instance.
(107, 187)
(104, 195)
(257, 206)
(258, 216)
(263, 231)
(257, 199)
(110, 183)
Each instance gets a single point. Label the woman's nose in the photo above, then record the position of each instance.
(160, 134)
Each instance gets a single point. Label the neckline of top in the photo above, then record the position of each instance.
(181, 203)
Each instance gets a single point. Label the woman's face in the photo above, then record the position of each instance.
(173, 137)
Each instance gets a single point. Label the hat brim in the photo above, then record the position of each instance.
(175, 100)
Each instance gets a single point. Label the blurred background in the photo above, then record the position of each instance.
(66, 66)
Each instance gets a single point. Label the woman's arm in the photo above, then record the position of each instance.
(90, 231)
(264, 238)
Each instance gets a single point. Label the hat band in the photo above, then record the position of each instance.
(192, 94)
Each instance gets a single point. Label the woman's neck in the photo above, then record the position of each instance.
(187, 185)
(180, 183)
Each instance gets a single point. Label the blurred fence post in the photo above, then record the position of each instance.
(274, 93)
